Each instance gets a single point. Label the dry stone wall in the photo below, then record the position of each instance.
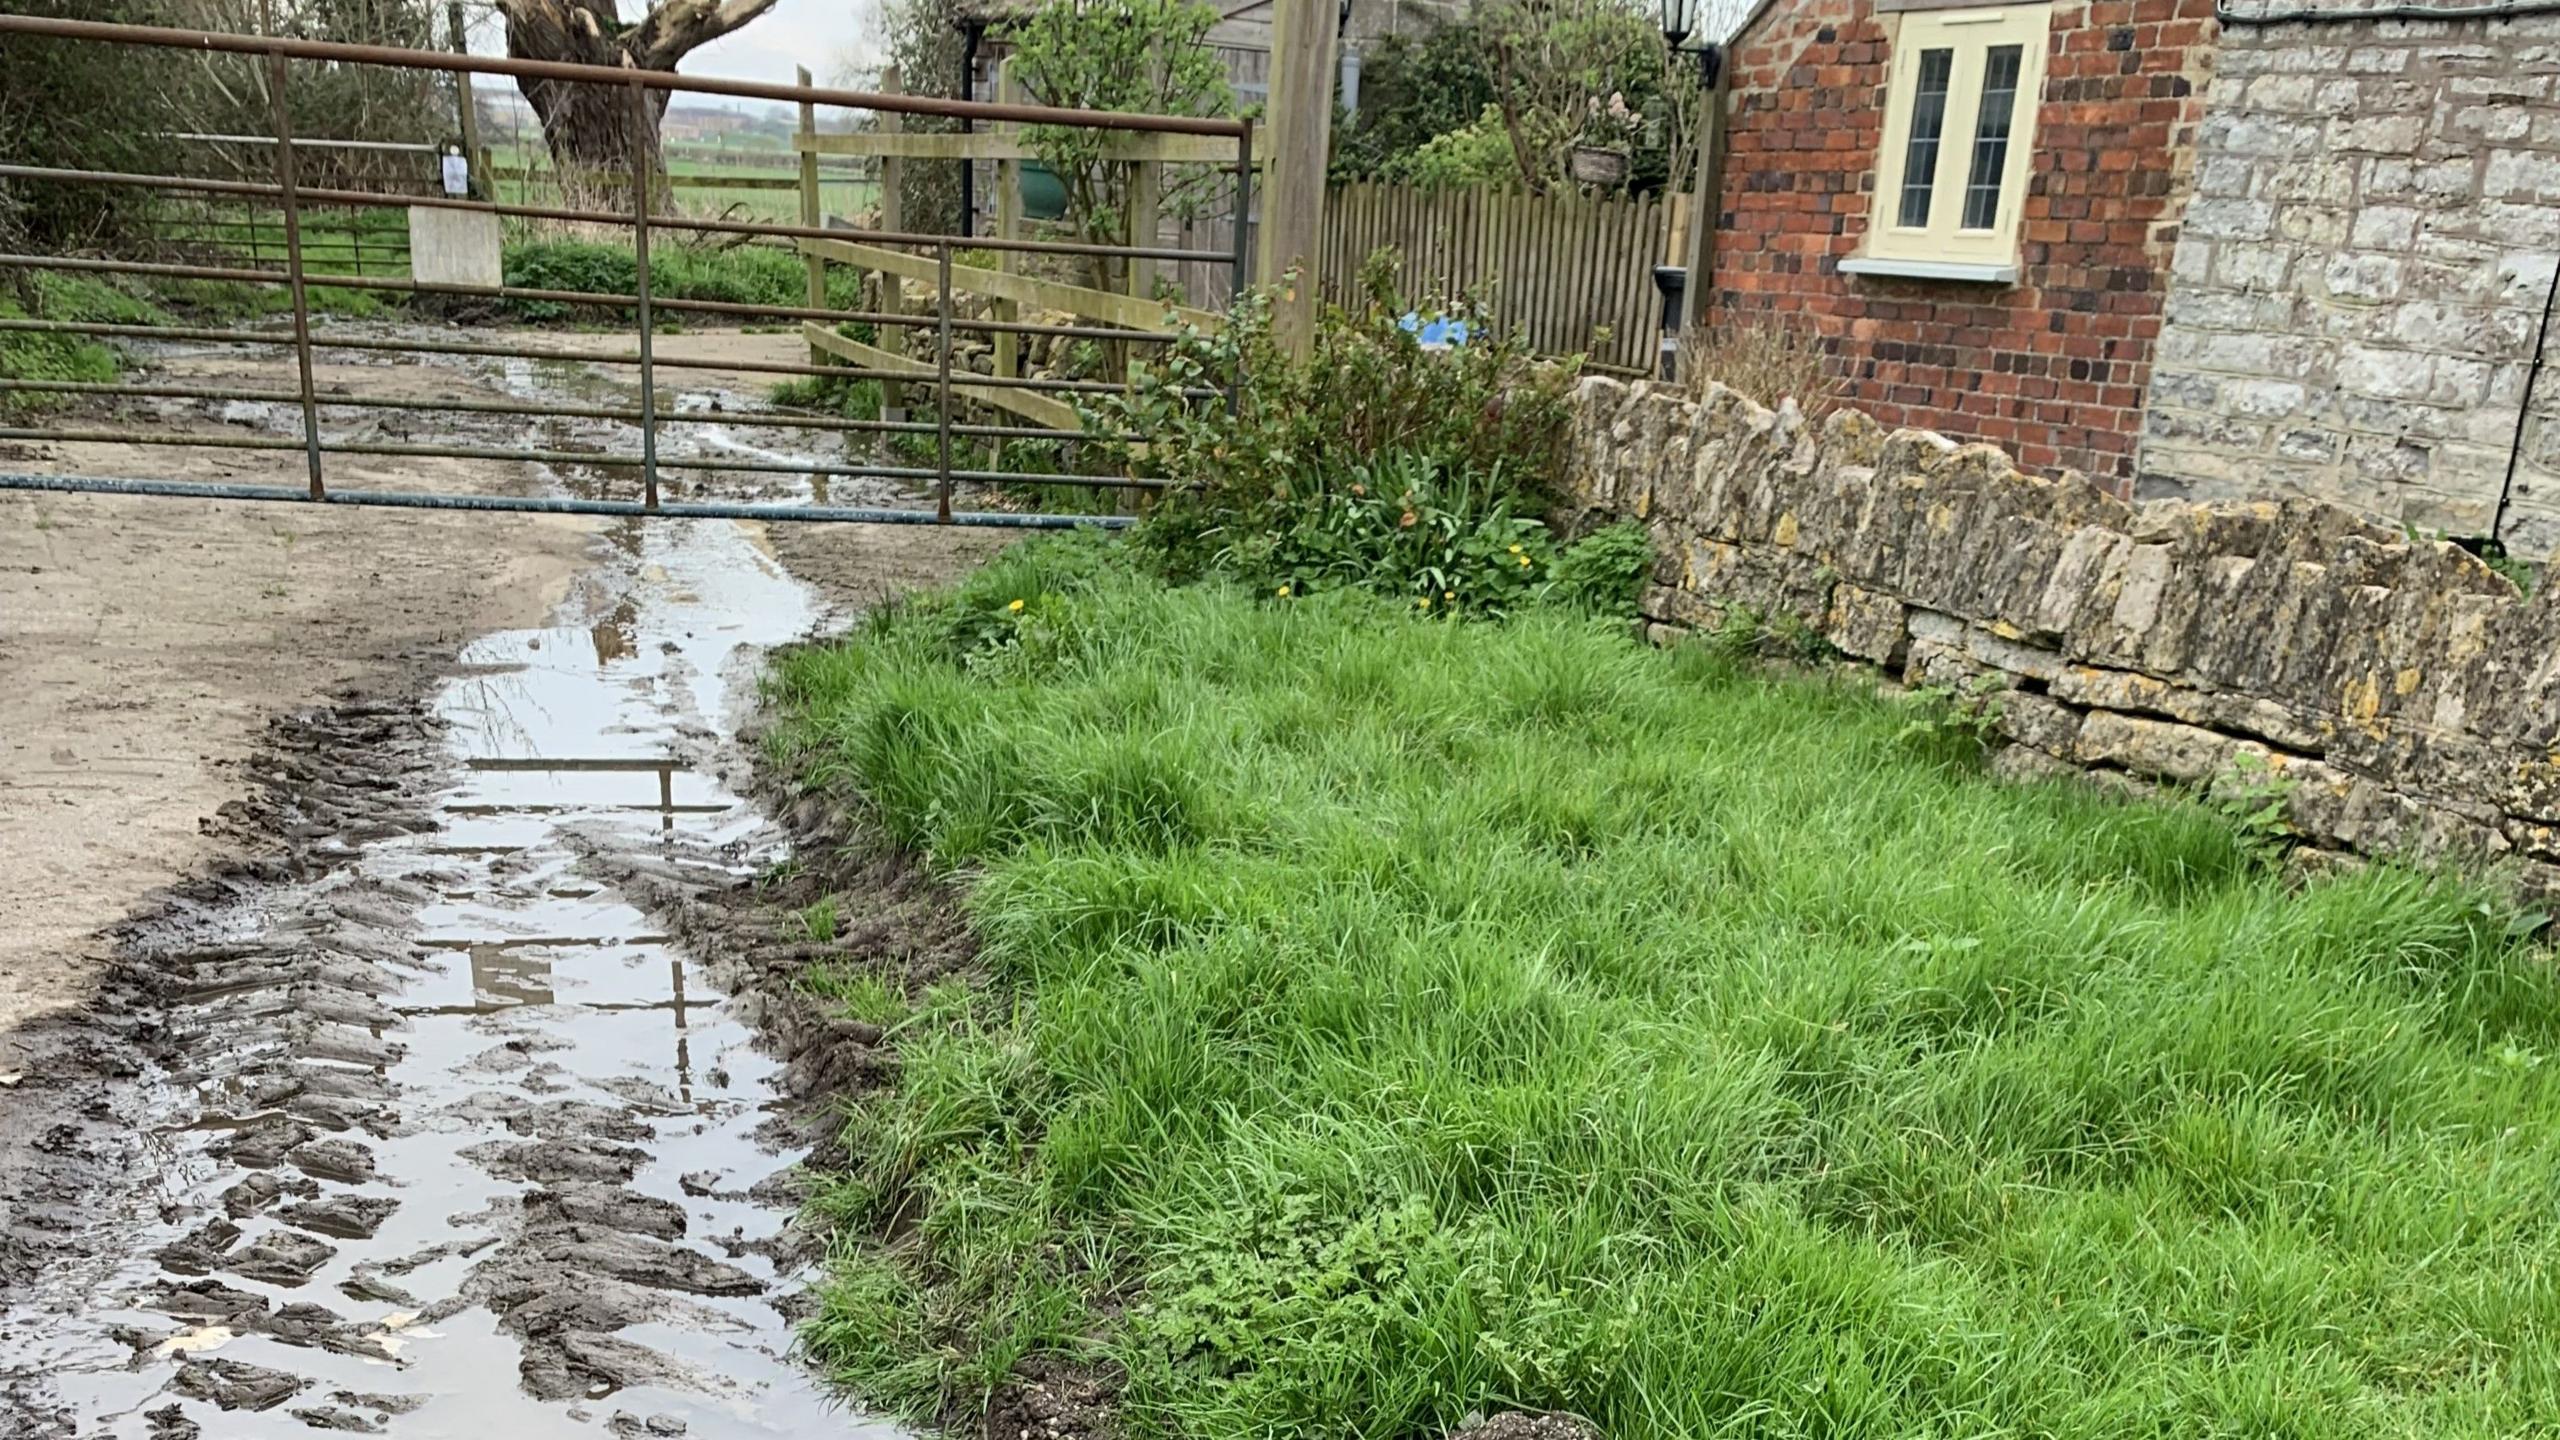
(2403, 697)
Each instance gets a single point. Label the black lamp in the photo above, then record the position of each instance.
(1679, 22)
(1679, 17)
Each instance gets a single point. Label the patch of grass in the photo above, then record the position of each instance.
(859, 994)
(1389, 1018)
(734, 274)
(36, 355)
(819, 920)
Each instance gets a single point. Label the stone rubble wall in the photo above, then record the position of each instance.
(2361, 280)
(2403, 697)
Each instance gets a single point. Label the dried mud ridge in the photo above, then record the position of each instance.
(274, 1033)
(262, 1005)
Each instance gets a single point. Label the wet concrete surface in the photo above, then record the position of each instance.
(423, 1124)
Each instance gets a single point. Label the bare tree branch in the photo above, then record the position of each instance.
(675, 28)
(582, 125)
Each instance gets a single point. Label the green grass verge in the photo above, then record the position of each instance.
(737, 274)
(36, 355)
(1386, 1018)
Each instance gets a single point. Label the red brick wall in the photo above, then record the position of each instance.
(2052, 367)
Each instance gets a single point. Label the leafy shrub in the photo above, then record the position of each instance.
(1136, 55)
(1373, 463)
(1408, 524)
(1604, 571)
(1413, 90)
(1476, 153)
(579, 265)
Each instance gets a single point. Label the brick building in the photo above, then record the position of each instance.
(1975, 206)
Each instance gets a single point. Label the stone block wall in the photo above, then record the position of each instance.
(2362, 275)
(2405, 697)
(2054, 366)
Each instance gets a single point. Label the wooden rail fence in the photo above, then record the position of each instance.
(1012, 294)
(1571, 274)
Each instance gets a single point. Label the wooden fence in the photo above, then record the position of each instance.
(1012, 293)
(1571, 274)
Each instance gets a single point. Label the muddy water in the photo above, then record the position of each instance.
(447, 1139)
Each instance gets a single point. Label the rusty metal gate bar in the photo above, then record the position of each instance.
(293, 267)
(293, 198)
(642, 154)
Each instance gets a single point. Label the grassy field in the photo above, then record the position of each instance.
(698, 191)
(1386, 1018)
(335, 240)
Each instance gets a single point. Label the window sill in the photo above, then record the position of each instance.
(1977, 272)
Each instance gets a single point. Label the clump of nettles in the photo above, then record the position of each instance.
(1422, 473)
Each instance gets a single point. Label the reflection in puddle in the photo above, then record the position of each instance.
(509, 1045)
(612, 634)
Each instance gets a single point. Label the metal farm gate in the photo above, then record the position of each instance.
(912, 350)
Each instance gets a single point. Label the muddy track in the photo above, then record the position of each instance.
(263, 1057)
(443, 1108)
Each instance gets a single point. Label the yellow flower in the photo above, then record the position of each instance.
(1524, 560)
(1423, 603)
(1015, 607)
(1448, 594)
(1515, 549)
(1284, 592)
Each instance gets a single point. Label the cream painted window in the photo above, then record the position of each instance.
(1960, 124)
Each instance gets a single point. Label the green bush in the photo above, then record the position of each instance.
(1374, 463)
(1414, 90)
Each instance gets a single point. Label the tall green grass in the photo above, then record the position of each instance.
(737, 275)
(1388, 1018)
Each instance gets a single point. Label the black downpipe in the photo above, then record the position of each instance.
(2524, 412)
(970, 30)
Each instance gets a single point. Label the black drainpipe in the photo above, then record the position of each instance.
(970, 30)
(2524, 412)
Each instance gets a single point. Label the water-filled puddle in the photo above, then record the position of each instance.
(460, 1142)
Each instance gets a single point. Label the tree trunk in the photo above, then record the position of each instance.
(595, 131)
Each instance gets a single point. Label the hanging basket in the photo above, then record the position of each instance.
(1599, 165)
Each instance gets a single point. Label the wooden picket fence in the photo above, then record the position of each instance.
(1573, 274)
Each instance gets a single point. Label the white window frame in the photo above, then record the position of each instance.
(1944, 248)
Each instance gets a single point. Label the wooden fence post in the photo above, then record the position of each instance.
(811, 212)
(1146, 201)
(1707, 208)
(1301, 125)
(893, 217)
(1008, 227)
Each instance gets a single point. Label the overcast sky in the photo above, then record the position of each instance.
(821, 34)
